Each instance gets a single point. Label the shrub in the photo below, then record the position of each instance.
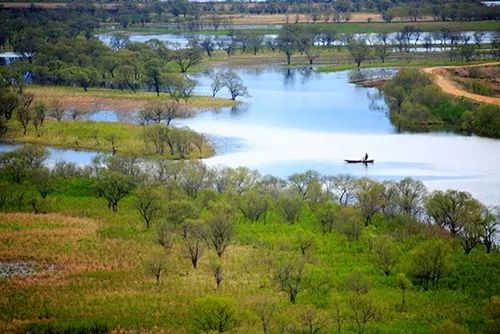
(73, 327)
(214, 313)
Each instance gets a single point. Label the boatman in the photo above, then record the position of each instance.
(366, 157)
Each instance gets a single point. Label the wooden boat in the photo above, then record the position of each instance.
(359, 161)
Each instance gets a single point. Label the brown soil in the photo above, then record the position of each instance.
(303, 18)
(442, 76)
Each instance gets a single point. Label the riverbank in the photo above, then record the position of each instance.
(443, 78)
(420, 101)
(122, 100)
(125, 139)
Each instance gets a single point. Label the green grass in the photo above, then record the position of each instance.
(100, 281)
(94, 136)
(344, 27)
(111, 96)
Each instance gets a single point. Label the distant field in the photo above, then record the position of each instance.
(344, 27)
(379, 27)
(123, 100)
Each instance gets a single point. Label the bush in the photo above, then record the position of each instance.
(73, 327)
(487, 121)
(214, 313)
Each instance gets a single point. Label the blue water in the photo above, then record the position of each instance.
(298, 119)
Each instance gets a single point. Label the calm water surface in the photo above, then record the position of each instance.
(298, 119)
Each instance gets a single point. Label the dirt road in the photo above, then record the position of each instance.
(447, 85)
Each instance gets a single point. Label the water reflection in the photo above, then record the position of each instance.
(293, 125)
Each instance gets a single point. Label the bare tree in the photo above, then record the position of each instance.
(75, 112)
(156, 265)
(216, 269)
(57, 110)
(313, 321)
(221, 230)
(490, 228)
(194, 240)
(342, 187)
(164, 235)
(38, 117)
(24, 112)
(311, 54)
(208, 45)
(217, 83)
(362, 311)
(289, 276)
(232, 81)
(265, 310)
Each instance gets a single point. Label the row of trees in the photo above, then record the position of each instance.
(142, 12)
(331, 198)
(198, 210)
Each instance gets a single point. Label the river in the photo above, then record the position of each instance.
(298, 119)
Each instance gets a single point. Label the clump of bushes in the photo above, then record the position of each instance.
(418, 104)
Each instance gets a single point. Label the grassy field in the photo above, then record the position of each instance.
(380, 27)
(121, 100)
(343, 27)
(127, 139)
(98, 276)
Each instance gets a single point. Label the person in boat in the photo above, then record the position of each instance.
(366, 157)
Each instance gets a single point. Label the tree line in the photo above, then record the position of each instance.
(197, 211)
(208, 14)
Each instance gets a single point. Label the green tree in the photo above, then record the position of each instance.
(148, 204)
(43, 180)
(289, 276)
(371, 199)
(403, 284)
(113, 186)
(363, 309)
(429, 263)
(327, 214)
(459, 213)
(358, 49)
(290, 206)
(253, 204)
(288, 40)
(186, 58)
(385, 253)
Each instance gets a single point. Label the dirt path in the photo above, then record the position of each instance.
(450, 87)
